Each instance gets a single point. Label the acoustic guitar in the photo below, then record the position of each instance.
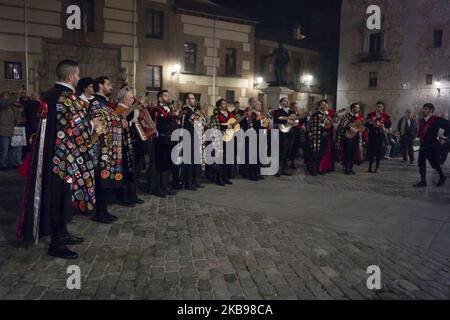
(292, 121)
(228, 135)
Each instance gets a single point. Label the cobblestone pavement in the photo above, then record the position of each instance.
(178, 248)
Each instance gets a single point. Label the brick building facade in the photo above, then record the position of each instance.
(179, 45)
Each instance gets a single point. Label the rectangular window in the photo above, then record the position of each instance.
(230, 61)
(429, 79)
(311, 103)
(13, 71)
(376, 45)
(154, 78)
(190, 57)
(438, 34)
(88, 12)
(373, 79)
(154, 24)
(229, 96)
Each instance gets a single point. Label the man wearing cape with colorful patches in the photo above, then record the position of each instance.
(61, 173)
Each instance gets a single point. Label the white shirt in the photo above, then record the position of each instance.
(85, 98)
(427, 117)
(67, 85)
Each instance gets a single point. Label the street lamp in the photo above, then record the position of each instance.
(259, 80)
(175, 69)
(307, 79)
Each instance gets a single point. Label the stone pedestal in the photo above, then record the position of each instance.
(275, 94)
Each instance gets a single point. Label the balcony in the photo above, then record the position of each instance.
(381, 56)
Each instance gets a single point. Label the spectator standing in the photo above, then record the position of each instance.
(407, 126)
(7, 121)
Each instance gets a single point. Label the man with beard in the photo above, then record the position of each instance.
(191, 171)
(108, 150)
(162, 116)
(285, 124)
(223, 169)
(430, 144)
(377, 122)
(348, 137)
(61, 175)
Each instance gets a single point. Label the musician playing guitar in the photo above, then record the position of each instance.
(223, 173)
(260, 123)
(286, 138)
(348, 137)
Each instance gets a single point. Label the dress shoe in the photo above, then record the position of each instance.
(285, 173)
(228, 182)
(261, 178)
(178, 186)
(278, 175)
(421, 184)
(352, 172)
(220, 183)
(171, 192)
(159, 194)
(253, 178)
(127, 203)
(102, 219)
(63, 253)
(139, 201)
(190, 188)
(442, 181)
(198, 186)
(70, 239)
(293, 167)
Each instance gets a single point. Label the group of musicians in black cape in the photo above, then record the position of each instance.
(91, 151)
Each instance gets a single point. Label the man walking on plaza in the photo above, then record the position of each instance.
(429, 144)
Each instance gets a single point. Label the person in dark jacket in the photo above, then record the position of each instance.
(407, 126)
(429, 128)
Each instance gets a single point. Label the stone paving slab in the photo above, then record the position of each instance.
(183, 248)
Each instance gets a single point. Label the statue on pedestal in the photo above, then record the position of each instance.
(280, 64)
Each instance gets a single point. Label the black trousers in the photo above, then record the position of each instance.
(407, 148)
(224, 171)
(286, 141)
(61, 210)
(432, 154)
(350, 149)
(375, 147)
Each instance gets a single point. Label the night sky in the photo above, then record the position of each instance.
(319, 18)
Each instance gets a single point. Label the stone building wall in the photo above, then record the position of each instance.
(408, 28)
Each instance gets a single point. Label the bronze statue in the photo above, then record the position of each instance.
(281, 61)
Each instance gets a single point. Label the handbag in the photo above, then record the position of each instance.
(19, 139)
